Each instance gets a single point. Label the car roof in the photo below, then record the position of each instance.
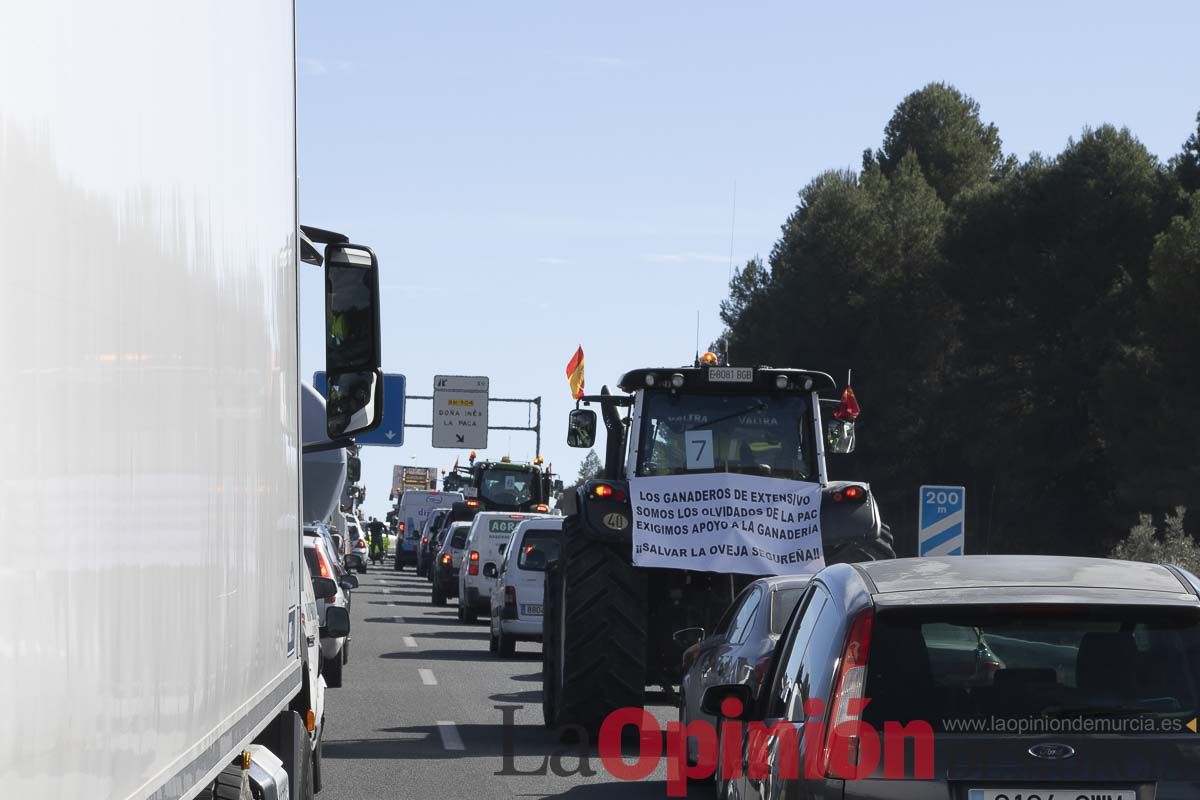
(541, 521)
(1029, 578)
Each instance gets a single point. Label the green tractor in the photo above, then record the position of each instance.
(608, 628)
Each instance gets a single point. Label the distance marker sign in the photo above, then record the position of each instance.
(941, 529)
(460, 411)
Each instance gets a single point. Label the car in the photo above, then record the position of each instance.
(445, 566)
(1087, 684)
(322, 564)
(740, 647)
(426, 546)
(490, 532)
(413, 509)
(331, 547)
(357, 555)
(519, 589)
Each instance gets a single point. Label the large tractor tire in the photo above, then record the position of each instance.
(594, 658)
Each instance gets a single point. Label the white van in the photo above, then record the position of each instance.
(490, 532)
(414, 509)
(519, 590)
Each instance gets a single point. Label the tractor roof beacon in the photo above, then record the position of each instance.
(608, 625)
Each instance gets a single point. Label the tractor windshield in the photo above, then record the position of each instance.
(766, 434)
(508, 487)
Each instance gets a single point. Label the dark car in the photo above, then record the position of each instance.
(446, 563)
(983, 678)
(427, 546)
(740, 647)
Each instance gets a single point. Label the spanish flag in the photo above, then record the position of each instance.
(575, 373)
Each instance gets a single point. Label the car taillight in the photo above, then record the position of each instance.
(542, 507)
(323, 565)
(848, 690)
(425, 540)
(472, 503)
(445, 558)
(602, 491)
(510, 597)
(473, 567)
(852, 494)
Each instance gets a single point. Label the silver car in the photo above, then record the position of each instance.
(979, 678)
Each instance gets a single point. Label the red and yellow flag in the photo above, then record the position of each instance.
(575, 373)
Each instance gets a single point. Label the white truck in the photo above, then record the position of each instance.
(148, 339)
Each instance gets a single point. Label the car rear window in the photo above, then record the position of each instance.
(547, 541)
(1036, 669)
(314, 566)
(459, 540)
(783, 603)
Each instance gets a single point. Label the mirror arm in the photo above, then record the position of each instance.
(320, 447)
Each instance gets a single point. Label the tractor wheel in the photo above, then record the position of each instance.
(599, 620)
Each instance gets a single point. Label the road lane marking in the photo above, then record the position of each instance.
(428, 679)
(410, 641)
(450, 738)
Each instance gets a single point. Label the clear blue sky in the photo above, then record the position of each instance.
(536, 176)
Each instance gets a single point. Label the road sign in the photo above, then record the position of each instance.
(390, 432)
(460, 411)
(941, 530)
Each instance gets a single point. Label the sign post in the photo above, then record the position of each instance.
(941, 529)
(460, 411)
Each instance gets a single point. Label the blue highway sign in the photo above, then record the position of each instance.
(390, 432)
(941, 530)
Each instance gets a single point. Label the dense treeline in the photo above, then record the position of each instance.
(1030, 330)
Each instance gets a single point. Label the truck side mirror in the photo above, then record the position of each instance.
(352, 341)
(337, 623)
(353, 469)
(839, 436)
(581, 428)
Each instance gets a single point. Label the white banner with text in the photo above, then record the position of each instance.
(726, 522)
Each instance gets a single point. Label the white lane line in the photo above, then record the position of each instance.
(428, 679)
(450, 738)
(410, 641)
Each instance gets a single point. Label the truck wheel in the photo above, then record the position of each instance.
(439, 598)
(600, 631)
(332, 670)
(877, 550)
(231, 784)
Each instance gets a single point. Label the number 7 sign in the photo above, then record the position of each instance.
(699, 450)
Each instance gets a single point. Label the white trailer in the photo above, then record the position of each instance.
(148, 343)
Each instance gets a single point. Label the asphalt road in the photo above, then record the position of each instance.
(419, 714)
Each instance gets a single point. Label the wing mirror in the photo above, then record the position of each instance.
(337, 623)
(715, 696)
(349, 582)
(324, 587)
(352, 341)
(688, 636)
(581, 428)
(353, 469)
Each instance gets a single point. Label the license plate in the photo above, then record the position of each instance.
(1052, 794)
(730, 375)
(532, 610)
